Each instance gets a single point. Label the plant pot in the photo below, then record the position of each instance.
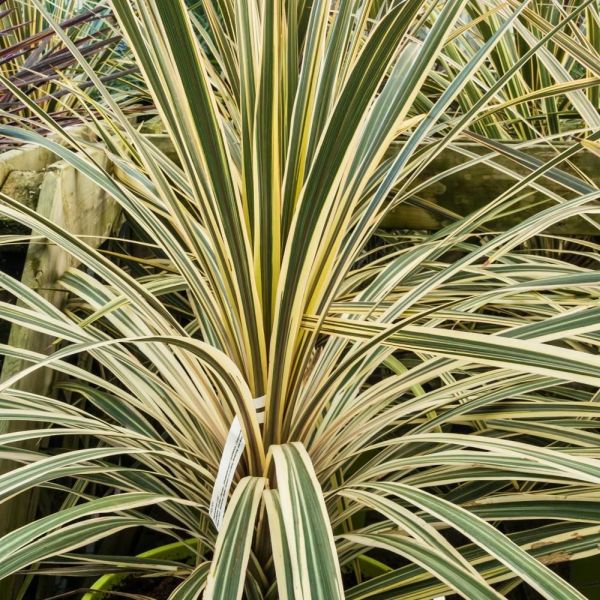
(175, 551)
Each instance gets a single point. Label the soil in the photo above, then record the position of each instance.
(157, 588)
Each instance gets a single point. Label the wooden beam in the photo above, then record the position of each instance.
(72, 201)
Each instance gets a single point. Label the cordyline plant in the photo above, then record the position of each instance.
(35, 60)
(430, 421)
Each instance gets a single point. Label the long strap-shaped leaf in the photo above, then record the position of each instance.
(282, 558)
(490, 539)
(307, 531)
(193, 585)
(174, 68)
(521, 355)
(72, 536)
(436, 562)
(410, 581)
(228, 568)
(53, 533)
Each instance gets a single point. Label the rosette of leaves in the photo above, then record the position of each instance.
(431, 414)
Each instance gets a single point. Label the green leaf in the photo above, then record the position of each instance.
(307, 531)
(436, 562)
(193, 584)
(487, 537)
(225, 580)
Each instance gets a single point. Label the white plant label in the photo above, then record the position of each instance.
(232, 452)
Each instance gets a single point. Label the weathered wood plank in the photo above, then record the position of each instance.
(75, 203)
(23, 186)
(26, 158)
